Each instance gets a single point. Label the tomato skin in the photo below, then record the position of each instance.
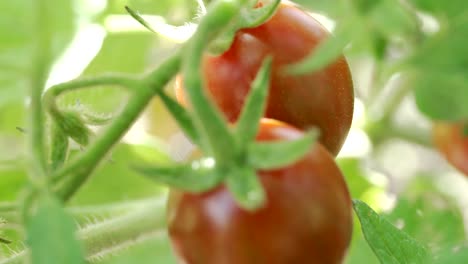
(324, 98)
(450, 141)
(307, 217)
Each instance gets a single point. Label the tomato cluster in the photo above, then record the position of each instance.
(307, 217)
(322, 99)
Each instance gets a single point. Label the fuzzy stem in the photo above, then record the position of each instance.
(115, 234)
(53, 92)
(69, 178)
(38, 79)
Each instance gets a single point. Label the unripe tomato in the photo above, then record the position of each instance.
(307, 217)
(453, 144)
(324, 98)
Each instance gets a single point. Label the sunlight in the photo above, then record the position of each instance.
(78, 55)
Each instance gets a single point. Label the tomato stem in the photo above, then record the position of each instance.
(385, 105)
(145, 221)
(68, 179)
(214, 132)
(42, 55)
(382, 130)
(382, 107)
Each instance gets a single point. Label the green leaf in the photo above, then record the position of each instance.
(278, 154)
(249, 17)
(330, 7)
(443, 52)
(447, 9)
(427, 214)
(254, 106)
(392, 19)
(255, 16)
(182, 116)
(390, 244)
(429, 218)
(326, 52)
(452, 255)
(369, 26)
(440, 81)
(442, 96)
(199, 176)
(18, 26)
(365, 6)
(245, 186)
(139, 19)
(51, 235)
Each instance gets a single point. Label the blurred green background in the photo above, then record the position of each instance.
(410, 184)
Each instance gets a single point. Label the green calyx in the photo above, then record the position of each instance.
(250, 16)
(234, 155)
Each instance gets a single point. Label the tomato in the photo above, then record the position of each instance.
(453, 144)
(307, 217)
(324, 98)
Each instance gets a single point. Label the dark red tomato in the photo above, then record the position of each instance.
(307, 217)
(324, 98)
(451, 142)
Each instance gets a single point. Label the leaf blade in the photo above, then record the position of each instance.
(390, 244)
(246, 188)
(273, 155)
(182, 117)
(254, 106)
(51, 228)
(198, 176)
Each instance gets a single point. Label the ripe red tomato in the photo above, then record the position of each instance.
(451, 142)
(324, 98)
(307, 217)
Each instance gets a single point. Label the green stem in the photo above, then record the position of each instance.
(391, 103)
(375, 83)
(421, 138)
(383, 130)
(53, 92)
(38, 79)
(79, 169)
(70, 178)
(380, 124)
(84, 213)
(110, 236)
(215, 134)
